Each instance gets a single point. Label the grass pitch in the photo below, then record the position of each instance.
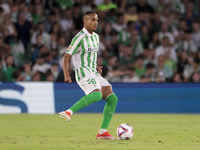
(49, 132)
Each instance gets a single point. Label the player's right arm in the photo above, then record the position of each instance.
(66, 59)
(76, 42)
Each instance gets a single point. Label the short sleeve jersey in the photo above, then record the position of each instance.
(84, 49)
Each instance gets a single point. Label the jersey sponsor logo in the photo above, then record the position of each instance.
(92, 49)
(89, 49)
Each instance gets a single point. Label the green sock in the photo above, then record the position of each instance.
(109, 109)
(86, 100)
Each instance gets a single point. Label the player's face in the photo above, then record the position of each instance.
(91, 22)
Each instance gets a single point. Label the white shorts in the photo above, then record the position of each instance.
(91, 82)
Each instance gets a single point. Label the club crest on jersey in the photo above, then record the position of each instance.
(69, 47)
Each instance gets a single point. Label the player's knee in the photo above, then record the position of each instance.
(112, 99)
(98, 96)
(115, 99)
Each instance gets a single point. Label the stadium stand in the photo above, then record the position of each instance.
(141, 40)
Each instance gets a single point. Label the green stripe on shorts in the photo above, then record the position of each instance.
(87, 69)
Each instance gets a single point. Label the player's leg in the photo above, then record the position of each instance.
(94, 96)
(91, 86)
(109, 109)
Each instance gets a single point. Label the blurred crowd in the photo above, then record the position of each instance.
(140, 40)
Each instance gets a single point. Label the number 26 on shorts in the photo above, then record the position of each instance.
(91, 81)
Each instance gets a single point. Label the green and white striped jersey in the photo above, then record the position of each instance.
(84, 48)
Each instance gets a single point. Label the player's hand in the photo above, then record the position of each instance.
(68, 79)
(99, 69)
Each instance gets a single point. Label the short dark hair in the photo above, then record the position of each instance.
(40, 55)
(120, 15)
(94, 6)
(52, 13)
(16, 74)
(8, 55)
(188, 32)
(40, 23)
(131, 68)
(88, 13)
(1, 10)
(68, 9)
(193, 22)
(129, 23)
(19, 13)
(132, 5)
(196, 60)
(150, 66)
(76, 5)
(165, 37)
(140, 56)
(21, 2)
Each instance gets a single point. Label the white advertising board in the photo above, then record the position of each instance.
(32, 98)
